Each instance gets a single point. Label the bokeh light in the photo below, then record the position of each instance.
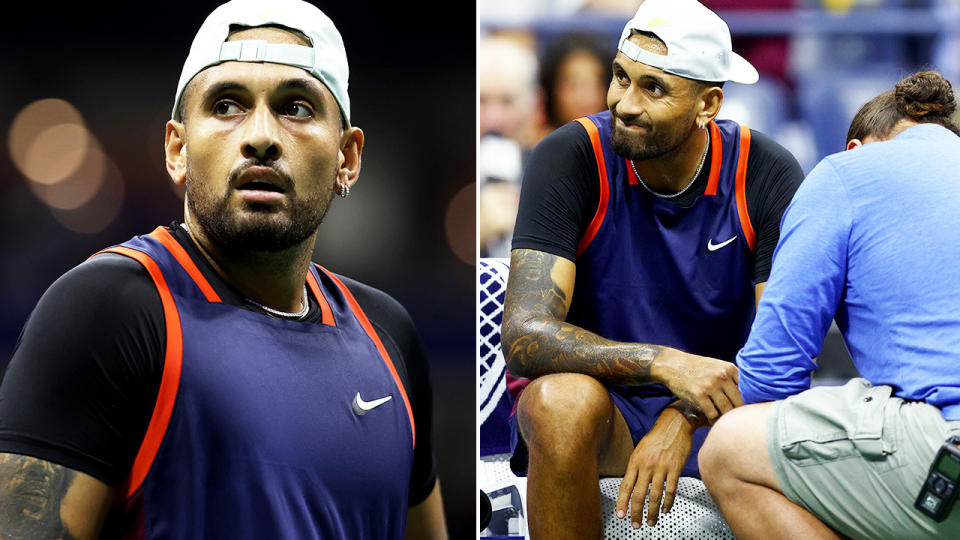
(459, 224)
(80, 186)
(102, 209)
(65, 165)
(48, 140)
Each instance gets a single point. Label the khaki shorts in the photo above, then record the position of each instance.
(856, 457)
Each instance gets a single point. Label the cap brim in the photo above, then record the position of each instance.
(742, 71)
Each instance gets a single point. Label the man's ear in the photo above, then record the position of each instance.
(351, 148)
(708, 104)
(175, 148)
(854, 143)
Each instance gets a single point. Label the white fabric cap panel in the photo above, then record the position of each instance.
(328, 62)
(697, 40)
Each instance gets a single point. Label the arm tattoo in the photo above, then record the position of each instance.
(31, 494)
(537, 341)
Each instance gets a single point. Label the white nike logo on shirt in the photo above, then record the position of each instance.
(361, 407)
(713, 247)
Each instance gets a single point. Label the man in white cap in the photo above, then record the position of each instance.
(643, 241)
(207, 380)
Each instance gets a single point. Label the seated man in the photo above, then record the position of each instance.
(870, 239)
(643, 239)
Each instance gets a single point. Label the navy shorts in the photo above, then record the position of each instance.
(640, 406)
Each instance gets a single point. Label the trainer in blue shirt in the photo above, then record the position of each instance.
(870, 239)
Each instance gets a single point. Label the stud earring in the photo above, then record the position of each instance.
(343, 190)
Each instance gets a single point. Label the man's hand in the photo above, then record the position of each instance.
(705, 382)
(656, 464)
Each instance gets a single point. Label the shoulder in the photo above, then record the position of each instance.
(108, 280)
(766, 150)
(568, 141)
(771, 167)
(566, 155)
(384, 311)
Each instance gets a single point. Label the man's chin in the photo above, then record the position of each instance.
(628, 145)
(255, 230)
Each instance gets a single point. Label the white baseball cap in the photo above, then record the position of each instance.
(326, 59)
(698, 42)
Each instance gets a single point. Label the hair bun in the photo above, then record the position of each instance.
(925, 94)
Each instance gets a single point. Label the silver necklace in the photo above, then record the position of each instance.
(703, 158)
(278, 313)
(275, 312)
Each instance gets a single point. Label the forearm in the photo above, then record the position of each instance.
(536, 339)
(425, 521)
(807, 283)
(759, 384)
(40, 499)
(541, 345)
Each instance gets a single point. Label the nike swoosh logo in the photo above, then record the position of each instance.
(713, 247)
(361, 407)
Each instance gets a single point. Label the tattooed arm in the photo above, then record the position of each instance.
(40, 499)
(536, 341)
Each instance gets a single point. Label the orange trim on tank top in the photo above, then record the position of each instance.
(365, 323)
(169, 382)
(318, 294)
(745, 224)
(162, 235)
(716, 158)
(601, 212)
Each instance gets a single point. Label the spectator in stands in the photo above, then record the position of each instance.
(507, 83)
(871, 239)
(574, 75)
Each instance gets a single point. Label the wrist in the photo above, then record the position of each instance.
(673, 415)
(663, 364)
(690, 413)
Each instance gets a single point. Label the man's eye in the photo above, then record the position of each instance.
(297, 110)
(621, 77)
(226, 108)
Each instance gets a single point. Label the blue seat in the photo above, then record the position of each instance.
(829, 100)
(762, 106)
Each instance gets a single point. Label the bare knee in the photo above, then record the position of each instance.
(713, 459)
(565, 412)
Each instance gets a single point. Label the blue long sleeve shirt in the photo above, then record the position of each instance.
(871, 238)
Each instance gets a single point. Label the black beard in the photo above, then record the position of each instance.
(261, 228)
(655, 146)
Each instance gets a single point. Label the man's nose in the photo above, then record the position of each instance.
(630, 103)
(261, 139)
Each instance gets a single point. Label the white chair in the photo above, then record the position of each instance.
(694, 516)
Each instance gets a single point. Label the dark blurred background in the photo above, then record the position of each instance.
(87, 88)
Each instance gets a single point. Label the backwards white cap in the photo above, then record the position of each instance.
(326, 59)
(698, 42)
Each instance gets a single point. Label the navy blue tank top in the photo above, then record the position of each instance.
(254, 433)
(649, 271)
